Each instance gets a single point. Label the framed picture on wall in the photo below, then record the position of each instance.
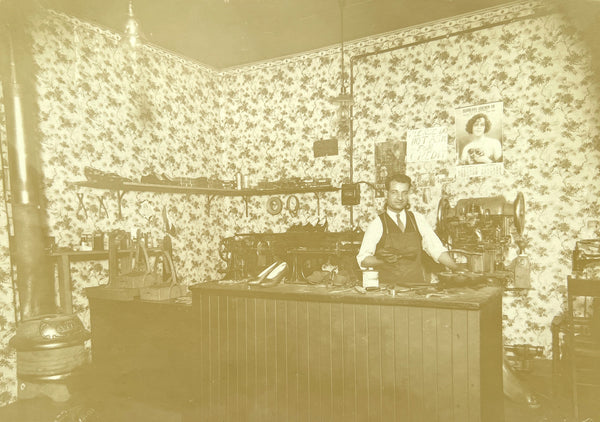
(479, 140)
(390, 158)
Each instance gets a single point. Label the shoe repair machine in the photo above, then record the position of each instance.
(478, 232)
(305, 248)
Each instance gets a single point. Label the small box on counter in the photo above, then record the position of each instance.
(370, 278)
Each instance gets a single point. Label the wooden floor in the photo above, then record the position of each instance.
(95, 407)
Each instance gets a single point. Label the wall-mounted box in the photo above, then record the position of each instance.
(325, 147)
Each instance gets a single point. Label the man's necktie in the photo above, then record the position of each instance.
(399, 222)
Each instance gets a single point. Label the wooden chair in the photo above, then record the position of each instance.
(583, 342)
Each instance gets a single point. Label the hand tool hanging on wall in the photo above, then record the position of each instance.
(102, 206)
(169, 228)
(274, 205)
(81, 205)
(292, 205)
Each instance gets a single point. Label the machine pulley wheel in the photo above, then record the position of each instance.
(442, 212)
(519, 212)
(442, 215)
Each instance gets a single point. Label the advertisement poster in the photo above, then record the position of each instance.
(429, 144)
(479, 140)
(390, 158)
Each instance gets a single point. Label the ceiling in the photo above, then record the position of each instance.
(228, 33)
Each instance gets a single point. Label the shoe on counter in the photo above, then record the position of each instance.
(276, 276)
(264, 273)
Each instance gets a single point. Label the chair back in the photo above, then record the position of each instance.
(583, 340)
(583, 305)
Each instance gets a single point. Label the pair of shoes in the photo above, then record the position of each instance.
(264, 273)
(276, 276)
(271, 275)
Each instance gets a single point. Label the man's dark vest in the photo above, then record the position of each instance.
(408, 269)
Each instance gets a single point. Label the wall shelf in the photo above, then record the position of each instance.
(123, 187)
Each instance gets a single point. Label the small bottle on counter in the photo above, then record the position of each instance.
(87, 242)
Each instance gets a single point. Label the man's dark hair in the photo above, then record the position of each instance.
(398, 177)
(471, 122)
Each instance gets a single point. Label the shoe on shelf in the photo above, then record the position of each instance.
(264, 273)
(152, 179)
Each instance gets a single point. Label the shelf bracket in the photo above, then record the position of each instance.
(246, 203)
(120, 194)
(208, 201)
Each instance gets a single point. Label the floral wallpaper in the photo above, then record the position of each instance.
(7, 312)
(160, 114)
(541, 72)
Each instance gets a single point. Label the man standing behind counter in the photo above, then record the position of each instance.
(393, 242)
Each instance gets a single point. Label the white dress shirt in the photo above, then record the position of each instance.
(431, 243)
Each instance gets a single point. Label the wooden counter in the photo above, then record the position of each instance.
(300, 352)
(144, 349)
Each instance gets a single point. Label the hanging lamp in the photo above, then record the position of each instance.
(344, 100)
(132, 36)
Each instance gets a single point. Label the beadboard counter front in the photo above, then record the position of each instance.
(303, 352)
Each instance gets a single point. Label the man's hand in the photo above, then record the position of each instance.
(446, 259)
(388, 255)
(392, 255)
(461, 267)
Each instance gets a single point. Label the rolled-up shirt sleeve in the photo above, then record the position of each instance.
(370, 240)
(431, 243)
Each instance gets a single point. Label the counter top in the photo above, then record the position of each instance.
(426, 296)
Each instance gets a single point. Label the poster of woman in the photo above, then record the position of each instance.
(479, 140)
